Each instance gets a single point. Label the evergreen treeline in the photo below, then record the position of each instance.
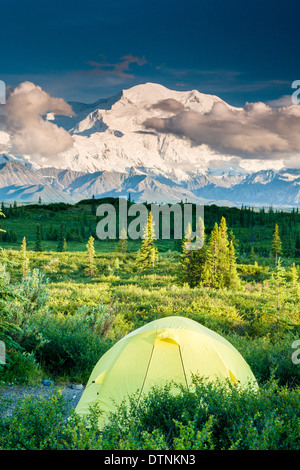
(252, 228)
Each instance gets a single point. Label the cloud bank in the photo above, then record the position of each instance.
(255, 131)
(24, 118)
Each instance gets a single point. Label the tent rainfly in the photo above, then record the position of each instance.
(168, 350)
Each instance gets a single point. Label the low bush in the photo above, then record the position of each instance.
(21, 368)
(210, 416)
(269, 358)
(71, 346)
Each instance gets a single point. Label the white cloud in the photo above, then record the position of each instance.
(285, 100)
(25, 119)
(255, 131)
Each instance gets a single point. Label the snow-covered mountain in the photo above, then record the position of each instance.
(110, 135)
(114, 153)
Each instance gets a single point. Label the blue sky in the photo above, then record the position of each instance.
(84, 50)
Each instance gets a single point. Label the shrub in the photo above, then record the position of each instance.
(269, 358)
(41, 424)
(21, 368)
(70, 346)
(8, 326)
(210, 416)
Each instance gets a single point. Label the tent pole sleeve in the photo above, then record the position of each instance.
(146, 372)
(183, 367)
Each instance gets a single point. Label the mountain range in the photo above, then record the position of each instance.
(114, 154)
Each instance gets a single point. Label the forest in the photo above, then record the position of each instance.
(66, 297)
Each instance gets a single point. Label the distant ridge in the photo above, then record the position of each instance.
(114, 154)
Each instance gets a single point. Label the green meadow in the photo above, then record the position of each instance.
(58, 319)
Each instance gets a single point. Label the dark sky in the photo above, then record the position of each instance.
(84, 50)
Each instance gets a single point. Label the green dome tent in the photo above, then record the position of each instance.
(170, 349)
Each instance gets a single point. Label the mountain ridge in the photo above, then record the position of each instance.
(20, 183)
(115, 153)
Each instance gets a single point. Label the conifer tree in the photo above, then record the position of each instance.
(198, 255)
(294, 274)
(211, 268)
(220, 265)
(295, 283)
(91, 266)
(234, 240)
(276, 244)
(38, 239)
(233, 280)
(25, 261)
(93, 206)
(61, 239)
(278, 287)
(185, 274)
(148, 252)
(297, 245)
(290, 245)
(122, 245)
(223, 256)
(1, 230)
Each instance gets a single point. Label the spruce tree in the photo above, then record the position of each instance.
(211, 267)
(233, 279)
(38, 239)
(148, 252)
(122, 245)
(185, 275)
(290, 246)
(278, 287)
(61, 239)
(297, 245)
(276, 244)
(234, 240)
(294, 275)
(295, 283)
(93, 206)
(25, 261)
(2, 215)
(220, 265)
(223, 256)
(198, 255)
(90, 264)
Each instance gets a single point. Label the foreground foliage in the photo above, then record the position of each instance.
(208, 417)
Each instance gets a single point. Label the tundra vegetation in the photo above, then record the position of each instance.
(66, 297)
